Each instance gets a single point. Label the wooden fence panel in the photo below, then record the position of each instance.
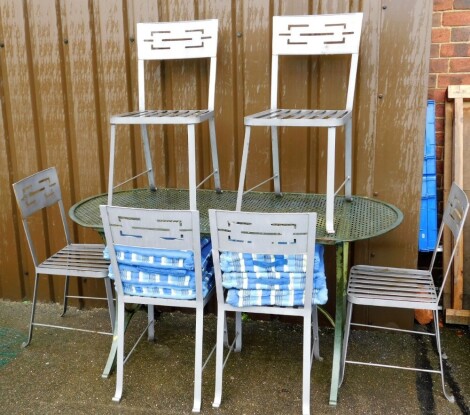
(67, 65)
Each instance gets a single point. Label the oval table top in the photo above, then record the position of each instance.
(361, 218)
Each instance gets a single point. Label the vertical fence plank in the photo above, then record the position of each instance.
(11, 274)
(20, 123)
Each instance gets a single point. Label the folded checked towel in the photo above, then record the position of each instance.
(162, 258)
(270, 280)
(163, 292)
(245, 262)
(162, 273)
(283, 298)
(255, 280)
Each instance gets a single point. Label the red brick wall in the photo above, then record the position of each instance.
(449, 64)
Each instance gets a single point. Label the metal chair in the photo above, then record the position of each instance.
(405, 288)
(41, 191)
(165, 41)
(153, 233)
(248, 233)
(337, 34)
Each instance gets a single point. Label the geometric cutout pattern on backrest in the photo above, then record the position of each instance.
(177, 40)
(456, 210)
(37, 191)
(317, 34)
(152, 228)
(286, 233)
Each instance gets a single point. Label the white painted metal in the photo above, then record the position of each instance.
(177, 40)
(267, 233)
(41, 191)
(321, 34)
(163, 41)
(156, 229)
(310, 35)
(406, 288)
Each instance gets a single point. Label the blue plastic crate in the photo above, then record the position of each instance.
(428, 224)
(429, 166)
(428, 219)
(430, 142)
(429, 186)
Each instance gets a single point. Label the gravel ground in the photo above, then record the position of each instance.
(60, 372)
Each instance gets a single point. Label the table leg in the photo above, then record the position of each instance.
(113, 352)
(342, 251)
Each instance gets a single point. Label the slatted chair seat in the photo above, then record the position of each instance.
(81, 260)
(327, 34)
(40, 192)
(163, 117)
(392, 287)
(169, 41)
(405, 288)
(299, 118)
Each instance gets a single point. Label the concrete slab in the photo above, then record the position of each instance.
(60, 372)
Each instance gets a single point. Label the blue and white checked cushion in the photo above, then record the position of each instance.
(245, 262)
(162, 258)
(163, 273)
(255, 280)
(162, 292)
(282, 298)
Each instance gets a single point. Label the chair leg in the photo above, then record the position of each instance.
(347, 330)
(330, 181)
(151, 322)
(226, 343)
(120, 351)
(198, 359)
(449, 397)
(33, 311)
(219, 357)
(214, 154)
(192, 166)
(66, 294)
(111, 308)
(275, 153)
(148, 156)
(348, 160)
(112, 155)
(316, 338)
(241, 183)
(238, 331)
(306, 366)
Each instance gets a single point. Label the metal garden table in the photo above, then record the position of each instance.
(361, 218)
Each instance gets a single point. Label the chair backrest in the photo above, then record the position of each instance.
(177, 40)
(36, 192)
(453, 218)
(152, 229)
(264, 233)
(322, 34)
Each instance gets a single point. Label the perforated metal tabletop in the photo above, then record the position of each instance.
(361, 218)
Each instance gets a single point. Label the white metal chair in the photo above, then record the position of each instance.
(41, 191)
(336, 34)
(154, 233)
(405, 288)
(249, 233)
(165, 41)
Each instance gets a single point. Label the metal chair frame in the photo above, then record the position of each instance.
(166, 41)
(41, 191)
(156, 229)
(406, 288)
(335, 34)
(267, 233)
